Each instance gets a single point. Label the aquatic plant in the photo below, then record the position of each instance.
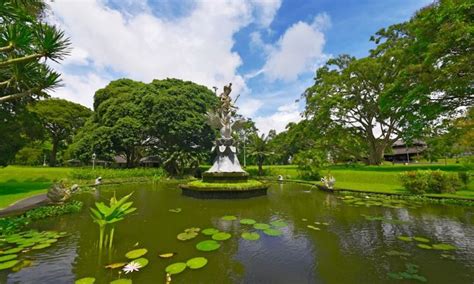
(328, 181)
(131, 267)
(410, 273)
(105, 215)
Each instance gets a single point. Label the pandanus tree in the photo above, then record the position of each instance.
(26, 42)
(106, 216)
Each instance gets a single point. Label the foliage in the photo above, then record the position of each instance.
(165, 118)
(310, 163)
(419, 182)
(105, 216)
(61, 119)
(9, 225)
(259, 148)
(464, 177)
(90, 174)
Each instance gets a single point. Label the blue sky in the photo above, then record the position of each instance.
(269, 49)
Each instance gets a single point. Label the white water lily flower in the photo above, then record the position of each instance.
(131, 267)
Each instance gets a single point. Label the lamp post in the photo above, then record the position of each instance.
(93, 160)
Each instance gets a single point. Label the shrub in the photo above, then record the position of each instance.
(464, 177)
(310, 163)
(90, 174)
(419, 182)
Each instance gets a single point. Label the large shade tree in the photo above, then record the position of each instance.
(60, 119)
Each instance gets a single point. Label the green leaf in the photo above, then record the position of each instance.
(261, 226)
(250, 236)
(186, 236)
(424, 246)
(175, 210)
(208, 245)
(122, 281)
(175, 268)
(142, 261)
(248, 221)
(272, 232)
(278, 224)
(313, 228)
(12, 250)
(444, 247)
(136, 253)
(229, 218)
(197, 262)
(421, 239)
(405, 239)
(85, 280)
(210, 231)
(8, 264)
(221, 236)
(41, 246)
(8, 257)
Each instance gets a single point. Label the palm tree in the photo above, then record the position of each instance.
(26, 42)
(259, 148)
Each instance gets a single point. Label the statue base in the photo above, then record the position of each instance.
(225, 177)
(215, 190)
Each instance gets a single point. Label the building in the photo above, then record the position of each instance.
(405, 153)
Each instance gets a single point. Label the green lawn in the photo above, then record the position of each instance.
(376, 179)
(17, 183)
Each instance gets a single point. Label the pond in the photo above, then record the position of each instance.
(325, 239)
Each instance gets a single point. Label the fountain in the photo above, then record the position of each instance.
(226, 178)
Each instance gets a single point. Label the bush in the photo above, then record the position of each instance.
(419, 182)
(464, 177)
(310, 163)
(90, 174)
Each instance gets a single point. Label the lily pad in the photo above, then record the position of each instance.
(8, 257)
(210, 231)
(197, 262)
(304, 219)
(313, 228)
(248, 221)
(175, 210)
(278, 224)
(444, 247)
(136, 253)
(85, 280)
(122, 281)
(167, 255)
(194, 230)
(448, 256)
(142, 261)
(116, 265)
(13, 250)
(261, 226)
(272, 232)
(250, 236)
(208, 245)
(8, 264)
(41, 246)
(175, 268)
(424, 246)
(421, 239)
(221, 236)
(229, 218)
(405, 239)
(24, 263)
(325, 223)
(186, 236)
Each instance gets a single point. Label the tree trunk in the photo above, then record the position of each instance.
(260, 168)
(376, 152)
(54, 150)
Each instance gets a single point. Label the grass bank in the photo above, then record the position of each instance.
(17, 183)
(373, 179)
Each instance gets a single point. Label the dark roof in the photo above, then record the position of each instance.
(401, 143)
(120, 160)
(406, 150)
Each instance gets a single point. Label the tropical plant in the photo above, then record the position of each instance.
(259, 149)
(105, 216)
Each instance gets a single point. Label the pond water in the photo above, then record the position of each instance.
(359, 244)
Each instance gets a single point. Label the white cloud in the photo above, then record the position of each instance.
(249, 106)
(195, 47)
(286, 113)
(299, 50)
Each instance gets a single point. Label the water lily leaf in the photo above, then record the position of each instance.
(325, 223)
(175, 210)
(405, 239)
(136, 253)
(8, 264)
(142, 261)
(8, 257)
(116, 265)
(167, 255)
(175, 268)
(12, 250)
(448, 256)
(317, 223)
(278, 224)
(186, 236)
(304, 219)
(210, 231)
(229, 218)
(247, 221)
(50, 241)
(221, 236)
(197, 262)
(313, 228)
(85, 280)
(421, 239)
(261, 226)
(272, 232)
(208, 245)
(424, 246)
(24, 263)
(41, 246)
(122, 281)
(250, 236)
(191, 230)
(25, 245)
(444, 247)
